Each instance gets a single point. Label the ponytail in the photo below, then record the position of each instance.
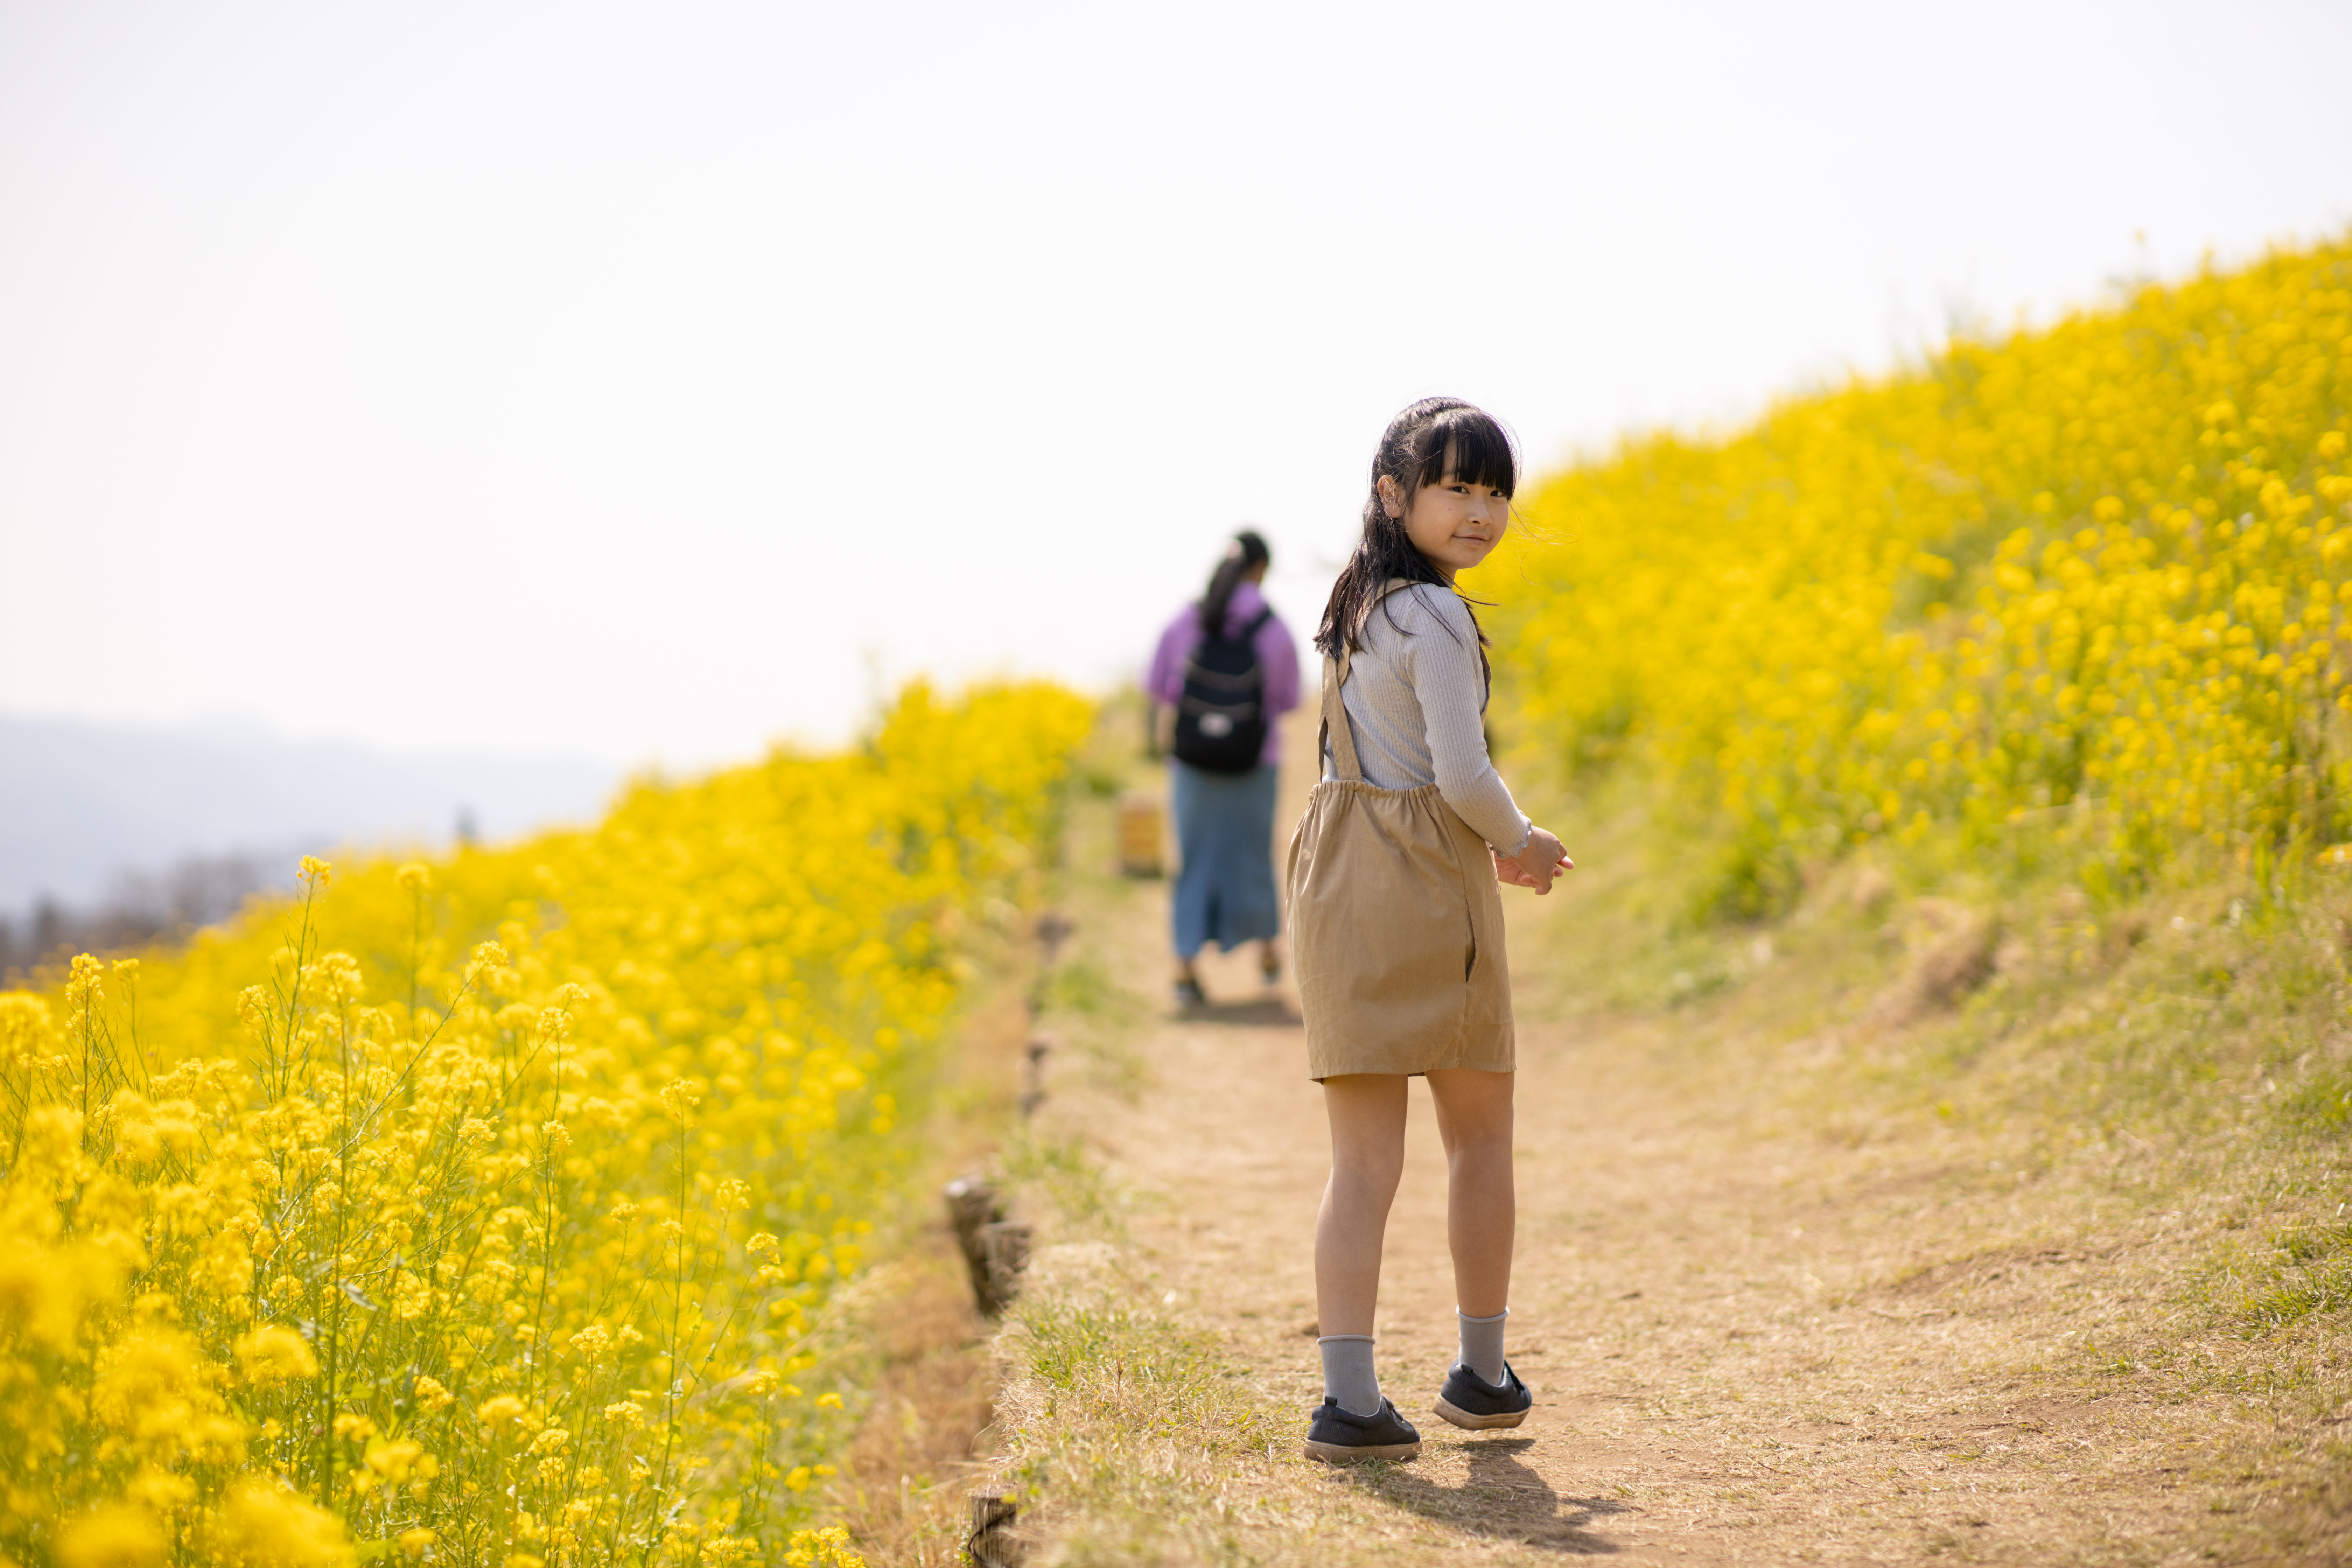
(1247, 552)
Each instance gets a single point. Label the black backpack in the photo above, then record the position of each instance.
(1221, 724)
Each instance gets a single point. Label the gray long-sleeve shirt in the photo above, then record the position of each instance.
(1414, 699)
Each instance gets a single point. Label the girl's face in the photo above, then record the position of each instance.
(1454, 524)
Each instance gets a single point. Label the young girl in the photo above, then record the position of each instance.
(1396, 928)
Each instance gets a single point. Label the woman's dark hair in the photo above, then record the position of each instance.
(1416, 450)
(1247, 552)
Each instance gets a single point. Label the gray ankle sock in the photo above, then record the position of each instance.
(1348, 1375)
(1482, 1344)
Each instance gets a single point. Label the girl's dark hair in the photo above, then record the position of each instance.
(1246, 550)
(1418, 448)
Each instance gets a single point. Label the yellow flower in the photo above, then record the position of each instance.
(272, 1353)
(409, 1152)
(1778, 637)
(680, 1096)
(500, 1412)
(111, 1537)
(402, 1461)
(827, 1548)
(262, 1525)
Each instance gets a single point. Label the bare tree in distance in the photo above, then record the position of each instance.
(143, 908)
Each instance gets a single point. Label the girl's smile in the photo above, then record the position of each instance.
(1454, 524)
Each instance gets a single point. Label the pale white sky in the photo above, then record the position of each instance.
(645, 381)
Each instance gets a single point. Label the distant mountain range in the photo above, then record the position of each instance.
(89, 813)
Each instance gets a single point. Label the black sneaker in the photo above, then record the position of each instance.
(1469, 1400)
(1189, 996)
(1340, 1436)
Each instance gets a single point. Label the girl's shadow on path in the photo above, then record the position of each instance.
(1501, 1497)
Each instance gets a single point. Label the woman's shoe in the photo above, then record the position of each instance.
(1340, 1436)
(1189, 996)
(1469, 1400)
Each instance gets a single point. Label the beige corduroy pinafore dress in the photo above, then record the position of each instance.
(1396, 924)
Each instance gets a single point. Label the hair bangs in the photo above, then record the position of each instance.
(1479, 449)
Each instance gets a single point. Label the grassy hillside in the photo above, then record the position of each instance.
(2035, 658)
(2066, 605)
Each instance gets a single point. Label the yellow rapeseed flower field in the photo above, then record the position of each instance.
(2070, 602)
(482, 1212)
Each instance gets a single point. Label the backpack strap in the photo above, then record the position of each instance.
(1247, 634)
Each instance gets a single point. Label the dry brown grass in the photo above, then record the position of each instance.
(929, 1376)
(904, 1476)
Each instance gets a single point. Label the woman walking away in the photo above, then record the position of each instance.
(1225, 669)
(1396, 926)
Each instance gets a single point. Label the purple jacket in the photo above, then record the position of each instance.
(1277, 656)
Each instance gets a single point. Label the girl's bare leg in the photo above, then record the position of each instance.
(1367, 1114)
(1474, 1118)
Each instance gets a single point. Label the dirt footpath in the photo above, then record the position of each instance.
(1749, 1340)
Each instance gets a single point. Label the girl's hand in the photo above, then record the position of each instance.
(1534, 866)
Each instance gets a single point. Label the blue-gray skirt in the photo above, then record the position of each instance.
(1224, 833)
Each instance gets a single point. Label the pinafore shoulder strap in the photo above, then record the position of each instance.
(1337, 733)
